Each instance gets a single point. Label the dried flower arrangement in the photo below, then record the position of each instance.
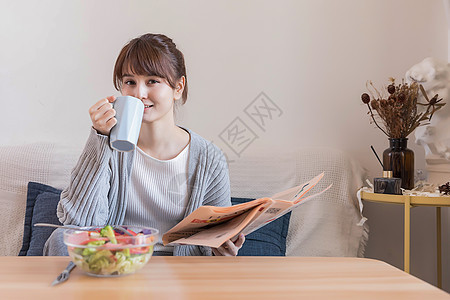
(399, 111)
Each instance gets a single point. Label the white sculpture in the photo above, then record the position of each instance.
(434, 75)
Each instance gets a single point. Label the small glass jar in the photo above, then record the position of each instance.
(387, 184)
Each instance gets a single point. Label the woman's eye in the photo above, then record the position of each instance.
(152, 81)
(129, 82)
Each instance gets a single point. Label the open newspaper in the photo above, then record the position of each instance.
(211, 226)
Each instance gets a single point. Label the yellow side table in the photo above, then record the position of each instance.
(410, 201)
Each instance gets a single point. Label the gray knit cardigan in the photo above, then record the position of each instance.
(97, 194)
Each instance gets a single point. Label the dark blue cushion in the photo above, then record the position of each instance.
(42, 201)
(269, 240)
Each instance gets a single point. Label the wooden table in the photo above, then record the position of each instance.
(218, 278)
(409, 202)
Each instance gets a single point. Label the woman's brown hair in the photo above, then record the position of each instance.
(152, 55)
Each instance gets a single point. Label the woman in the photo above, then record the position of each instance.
(172, 172)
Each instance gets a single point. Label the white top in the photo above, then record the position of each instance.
(157, 193)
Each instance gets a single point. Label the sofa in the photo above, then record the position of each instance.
(32, 176)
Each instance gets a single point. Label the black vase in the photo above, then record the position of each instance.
(400, 160)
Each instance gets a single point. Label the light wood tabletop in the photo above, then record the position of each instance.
(218, 278)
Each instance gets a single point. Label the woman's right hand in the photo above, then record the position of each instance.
(102, 115)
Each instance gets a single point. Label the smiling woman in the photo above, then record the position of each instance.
(136, 188)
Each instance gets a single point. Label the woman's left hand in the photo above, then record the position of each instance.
(230, 248)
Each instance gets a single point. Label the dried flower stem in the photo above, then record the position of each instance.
(373, 118)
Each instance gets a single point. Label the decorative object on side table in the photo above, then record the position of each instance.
(386, 184)
(434, 75)
(400, 159)
(397, 114)
(445, 189)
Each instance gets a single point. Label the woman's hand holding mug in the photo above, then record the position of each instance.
(102, 115)
(126, 112)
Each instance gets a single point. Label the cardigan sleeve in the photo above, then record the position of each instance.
(218, 189)
(85, 201)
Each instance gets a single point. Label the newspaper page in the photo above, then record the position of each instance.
(284, 202)
(278, 209)
(209, 216)
(212, 226)
(295, 194)
(217, 235)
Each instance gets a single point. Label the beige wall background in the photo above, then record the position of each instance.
(311, 58)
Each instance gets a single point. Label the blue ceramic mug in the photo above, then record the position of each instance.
(129, 112)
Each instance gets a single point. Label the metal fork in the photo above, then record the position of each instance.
(64, 274)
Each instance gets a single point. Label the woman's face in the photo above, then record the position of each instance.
(156, 94)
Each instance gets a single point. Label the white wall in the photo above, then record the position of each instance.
(312, 58)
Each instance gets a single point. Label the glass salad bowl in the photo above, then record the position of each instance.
(112, 250)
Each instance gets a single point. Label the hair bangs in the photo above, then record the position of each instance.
(142, 59)
(151, 55)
